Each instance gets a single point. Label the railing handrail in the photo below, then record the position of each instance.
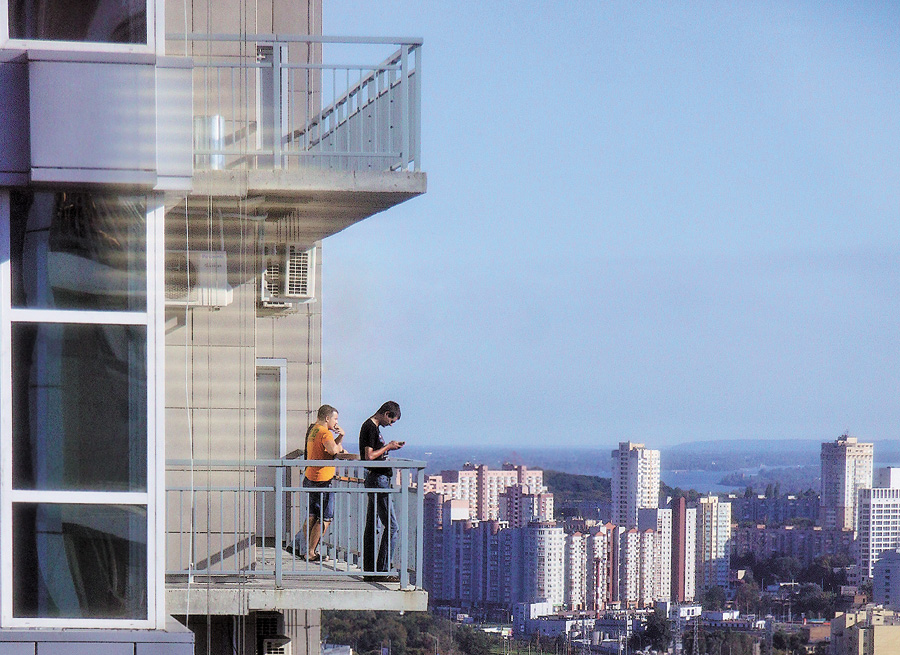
(297, 462)
(296, 38)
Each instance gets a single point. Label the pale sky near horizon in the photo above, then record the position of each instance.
(662, 222)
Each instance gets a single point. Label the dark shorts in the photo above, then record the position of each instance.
(321, 503)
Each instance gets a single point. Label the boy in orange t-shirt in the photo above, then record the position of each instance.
(323, 441)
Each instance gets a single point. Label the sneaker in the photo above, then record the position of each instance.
(289, 549)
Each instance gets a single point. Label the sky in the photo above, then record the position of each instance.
(657, 222)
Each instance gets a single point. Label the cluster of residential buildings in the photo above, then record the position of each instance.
(493, 542)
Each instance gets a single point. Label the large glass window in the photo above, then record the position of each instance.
(78, 492)
(86, 561)
(78, 250)
(98, 21)
(79, 407)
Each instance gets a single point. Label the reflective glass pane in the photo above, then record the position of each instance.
(99, 21)
(79, 561)
(78, 250)
(79, 407)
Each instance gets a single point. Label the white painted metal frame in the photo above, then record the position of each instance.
(155, 36)
(154, 497)
(280, 364)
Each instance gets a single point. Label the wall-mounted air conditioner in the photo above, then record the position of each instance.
(197, 278)
(276, 646)
(288, 276)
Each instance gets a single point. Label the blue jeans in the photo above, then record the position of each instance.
(380, 504)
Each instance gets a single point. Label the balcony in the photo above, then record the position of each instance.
(227, 523)
(281, 129)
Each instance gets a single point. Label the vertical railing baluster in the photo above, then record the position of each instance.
(404, 527)
(279, 525)
(420, 524)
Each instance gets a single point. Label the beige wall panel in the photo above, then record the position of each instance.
(217, 434)
(286, 17)
(304, 627)
(200, 377)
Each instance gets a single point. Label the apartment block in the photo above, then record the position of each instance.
(878, 526)
(713, 547)
(886, 580)
(872, 631)
(518, 506)
(660, 521)
(802, 543)
(575, 571)
(684, 551)
(847, 467)
(635, 482)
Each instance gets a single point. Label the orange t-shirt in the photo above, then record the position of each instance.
(316, 438)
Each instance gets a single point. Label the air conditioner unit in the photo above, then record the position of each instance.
(276, 646)
(197, 278)
(288, 275)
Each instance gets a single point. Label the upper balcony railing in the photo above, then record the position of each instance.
(269, 102)
(233, 519)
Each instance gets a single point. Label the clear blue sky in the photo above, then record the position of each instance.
(662, 222)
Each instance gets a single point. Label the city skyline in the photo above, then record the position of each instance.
(668, 224)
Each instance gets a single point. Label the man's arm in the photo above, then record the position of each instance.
(371, 454)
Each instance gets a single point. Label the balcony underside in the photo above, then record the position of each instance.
(233, 596)
(325, 201)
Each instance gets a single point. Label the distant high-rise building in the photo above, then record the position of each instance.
(636, 567)
(481, 487)
(879, 525)
(660, 521)
(635, 482)
(713, 543)
(846, 468)
(576, 571)
(886, 477)
(886, 580)
(519, 505)
(602, 567)
(684, 538)
(544, 551)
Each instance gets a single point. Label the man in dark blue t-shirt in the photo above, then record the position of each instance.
(372, 448)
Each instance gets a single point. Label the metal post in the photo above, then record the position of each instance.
(404, 527)
(279, 524)
(420, 526)
(404, 107)
(278, 57)
(417, 112)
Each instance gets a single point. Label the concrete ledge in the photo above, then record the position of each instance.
(316, 595)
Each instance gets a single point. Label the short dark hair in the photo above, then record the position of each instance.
(390, 409)
(325, 412)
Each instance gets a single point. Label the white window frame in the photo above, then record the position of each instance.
(154, 497)
(155, 35)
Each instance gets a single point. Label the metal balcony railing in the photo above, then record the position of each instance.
(228, 519)
(269, 102)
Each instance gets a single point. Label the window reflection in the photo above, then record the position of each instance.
(79, 407)
(100, 21)
(79, 561)
(78, 250)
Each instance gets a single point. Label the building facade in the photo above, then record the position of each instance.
(164, 196)
(635, 482)
(713, 546)
(879, 526)
(847, 467)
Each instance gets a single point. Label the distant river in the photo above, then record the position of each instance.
(702, 481)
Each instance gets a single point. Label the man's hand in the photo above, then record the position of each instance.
(395, 445)
(338, 433)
